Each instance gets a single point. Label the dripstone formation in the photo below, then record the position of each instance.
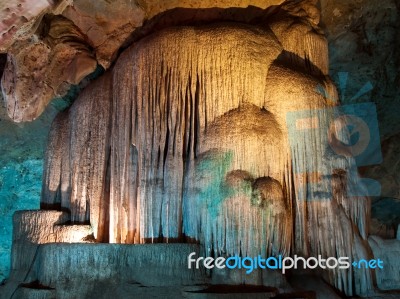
(185, 139)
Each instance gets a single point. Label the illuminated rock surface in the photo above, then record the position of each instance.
(196, 151)
(52, 45)
(198, 148)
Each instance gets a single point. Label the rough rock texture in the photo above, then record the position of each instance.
(56, 271)
(32, 228)
(364, 42)
(21, 18)
(77, 157)
(22, 147)
(259, 186)
(40, 227)
(386, 209)
(362, 36)
(106, 24)
(82, 34)
(198, 148)
(388, 251)
(37, 70)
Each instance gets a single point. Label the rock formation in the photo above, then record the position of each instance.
(85, 33)
(186, 138)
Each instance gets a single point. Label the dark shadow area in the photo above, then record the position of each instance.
(298, 295)
(235, 289)
(198, 17)
(35, 285)
(3, 60)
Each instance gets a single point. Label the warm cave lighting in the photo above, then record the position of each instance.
(195, 147)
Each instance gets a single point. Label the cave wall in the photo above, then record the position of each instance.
(21, 159)
(197, 113)
(362, 40)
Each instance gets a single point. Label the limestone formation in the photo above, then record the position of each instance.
(77, 159)
(31, 230)
(186, 138)
(196, 146)
(37, 70)
(81, 35)
(45, 265)
(21, 18)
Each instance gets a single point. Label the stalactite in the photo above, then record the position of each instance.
(190, 137)
(77, 158)
(172, 105)
(52, 190)
(89, 152)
